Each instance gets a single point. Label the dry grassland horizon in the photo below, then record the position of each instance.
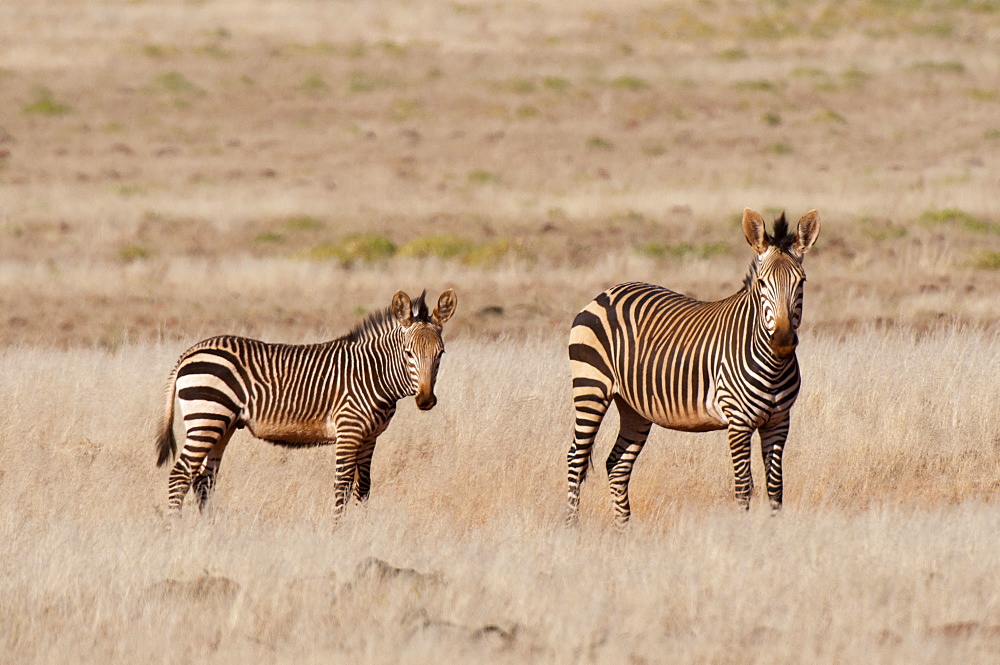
(175, 170)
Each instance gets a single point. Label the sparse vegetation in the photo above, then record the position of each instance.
(354, 247)
(483, 177)
(771, 118)
(599, 143)
(682, 250)
(631, 83)
(987, 260)
(175, 82)
(46, 104)
(734, 54)
(304, 223)
(362, 81)
(441, 246)
(960, 218)
(530, 156)
(131, 253)
(314, 83)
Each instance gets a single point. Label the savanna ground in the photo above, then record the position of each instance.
(171, 170)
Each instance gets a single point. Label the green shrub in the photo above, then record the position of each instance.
(360, 81)
(958, 217)
(732, 54)
(482, 177)
(175, 82)
(771, 118)
(987, 261)
(632, 83)
(490, 253)
(314, 83)
(131, 253)
(599, 143)
(555, 84)
(442, 246)
(45, 104)
(303, 223)
(368, 247)
(268, 237)
(658, 250)
(949, 66)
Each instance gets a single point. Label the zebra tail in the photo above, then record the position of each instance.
(166, 444)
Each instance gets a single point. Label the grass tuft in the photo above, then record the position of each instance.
(735, 54)
(946, 67)
(483, 177)
(46, 104)
(960, 218)
(367, 247)
(361, 81)
(303, 223)
(659, 250)
(599, 143)
(555, 83)
(314, 83)
(987, 260)
(631, 83)
(133, 253)
(441, 246)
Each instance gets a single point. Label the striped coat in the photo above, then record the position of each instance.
(694, 366)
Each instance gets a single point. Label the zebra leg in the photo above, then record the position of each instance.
(772, 445)
(739, 447)
(348, 444)
(364, 480)
(590, 409)
(631, 438)
(204, 483)
(189, 464)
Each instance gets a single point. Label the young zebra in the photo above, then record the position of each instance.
(342, 392)
(693, 366)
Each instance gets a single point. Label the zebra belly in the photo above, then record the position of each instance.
(702, 417)
(694, 422)
(305, 433)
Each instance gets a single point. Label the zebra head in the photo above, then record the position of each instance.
(776, 276)
(422, 343)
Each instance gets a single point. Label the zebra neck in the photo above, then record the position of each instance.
(380, 363)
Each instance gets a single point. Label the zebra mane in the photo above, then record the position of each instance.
(782, 239)
(381, 322)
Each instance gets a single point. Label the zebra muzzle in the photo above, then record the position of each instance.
(783, 343)
(426, 402)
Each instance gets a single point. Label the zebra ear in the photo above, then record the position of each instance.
(402, 309)
(445, 307)
(807, 232)
(753, 229)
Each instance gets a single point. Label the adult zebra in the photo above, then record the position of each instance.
(342, 392)
(693, 366)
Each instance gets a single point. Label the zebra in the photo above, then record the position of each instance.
(341, 392)
(693, 366)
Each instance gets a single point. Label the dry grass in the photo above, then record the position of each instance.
(883, 553)
(174, 170)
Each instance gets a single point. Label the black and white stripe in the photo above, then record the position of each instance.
(342, 392)
(694, 366)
